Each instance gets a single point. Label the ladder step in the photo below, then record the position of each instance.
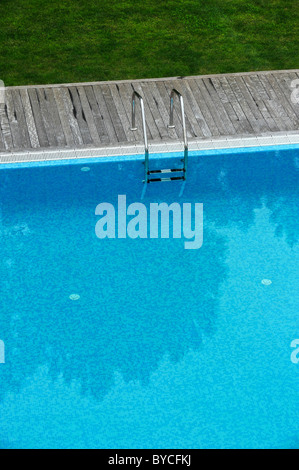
(172, 178)
(166, 170)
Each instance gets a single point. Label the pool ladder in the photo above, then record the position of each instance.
(168, 171)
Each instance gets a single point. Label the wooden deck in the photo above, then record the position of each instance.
(98, 114)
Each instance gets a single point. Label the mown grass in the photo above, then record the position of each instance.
(56, 41)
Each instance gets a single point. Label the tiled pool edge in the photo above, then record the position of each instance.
(133, 150)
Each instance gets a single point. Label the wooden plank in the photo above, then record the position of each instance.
(164, 112)
(47, 117)
(203, 108)
(71, 116)
(231, 126)
(165, 97)
(273, 96)
(97, 115)
(153, 132)
(39, 123)
(152, 105)
(285, 103)
(116, 121)
(205, 130)
(195, 128)
(125, 93)
(114, 90)
(29, 119)
(105, 113)
(189, 116)
(252, 104)
(208, 105)
(258, 124)
(53, 111)
(218, 113)
(11, 121)
(275, 106)
(225, 86)
(177, 118)
(262, 91)
(261, 104)
(232, 107)
(270, 99)
(88, 116)
(20, 116)
(281, 121)
(5, 127)
(62, 112)
(79, 115)
(249, 99)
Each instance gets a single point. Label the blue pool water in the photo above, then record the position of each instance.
(166, 347)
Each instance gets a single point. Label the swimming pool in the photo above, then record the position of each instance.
(140, 343)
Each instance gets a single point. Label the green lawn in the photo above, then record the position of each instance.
(56, 41)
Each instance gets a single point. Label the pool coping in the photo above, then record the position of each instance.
(167, 147)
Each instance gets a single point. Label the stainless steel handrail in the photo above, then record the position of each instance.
(134, 128)
(171, 125)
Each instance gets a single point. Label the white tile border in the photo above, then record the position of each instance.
(155, 147)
